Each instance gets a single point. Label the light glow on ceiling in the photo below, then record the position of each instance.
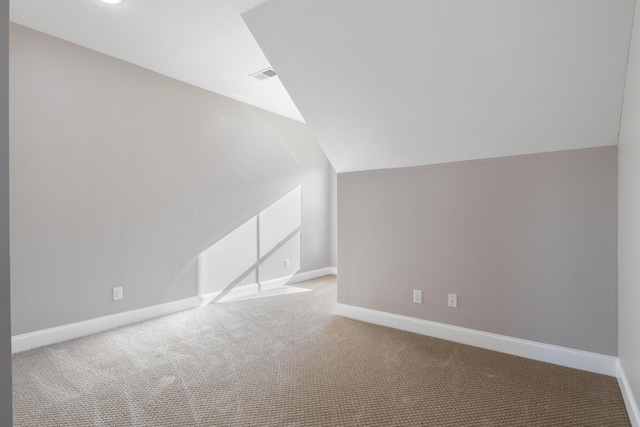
(116, 2)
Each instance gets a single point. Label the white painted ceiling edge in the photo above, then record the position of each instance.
(394, 84)
(201, 42)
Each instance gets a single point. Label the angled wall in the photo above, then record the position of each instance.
(629, 221)
(5, 318)
(528, 243)
(121, 177)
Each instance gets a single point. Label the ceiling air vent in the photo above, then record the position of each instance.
(263, 74)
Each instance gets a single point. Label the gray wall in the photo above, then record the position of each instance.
(120, 177)
(528, 243)
(5, 317)
(629, 219)
(333, 203)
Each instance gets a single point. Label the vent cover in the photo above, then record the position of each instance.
(263, 74)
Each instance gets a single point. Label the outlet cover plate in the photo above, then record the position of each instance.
(453, 300)
(417, 296)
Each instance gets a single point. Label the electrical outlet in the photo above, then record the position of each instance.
(117, 293)
(453, 300)
(287, 263)
(417, 296)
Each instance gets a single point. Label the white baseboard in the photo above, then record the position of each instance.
(92, 326)
(100, 324)
(266, 285)
(314, 274)
(578, 359)
(246, 290)
(237, 292)
(627, 394)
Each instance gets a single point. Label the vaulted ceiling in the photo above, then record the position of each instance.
(383, 83)
(401, 83)
(201, 42)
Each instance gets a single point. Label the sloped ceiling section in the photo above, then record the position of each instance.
(388, 84)
(202, 42)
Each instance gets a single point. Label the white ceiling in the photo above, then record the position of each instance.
(201, 42)
(384, 84)
(402, 83)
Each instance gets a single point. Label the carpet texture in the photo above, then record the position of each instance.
(288, 361)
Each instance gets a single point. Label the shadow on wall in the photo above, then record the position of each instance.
(261, 254)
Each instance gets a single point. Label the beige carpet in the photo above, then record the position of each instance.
(288, 361)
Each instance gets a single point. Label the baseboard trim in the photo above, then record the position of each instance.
(246, 290)
(267, 285)
(237, 292)
(70, 331)
(313, 274)
(578, 359)
(627, 394)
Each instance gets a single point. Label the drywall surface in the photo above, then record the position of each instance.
(333, 202)
(244, 250)
(629, 219)
(5, 306)
(386, 84)
(528, 243)
(121, 177)
(202, 42)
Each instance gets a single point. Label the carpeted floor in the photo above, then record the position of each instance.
(288, 361)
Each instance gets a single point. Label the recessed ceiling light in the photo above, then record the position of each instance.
(113, 1)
